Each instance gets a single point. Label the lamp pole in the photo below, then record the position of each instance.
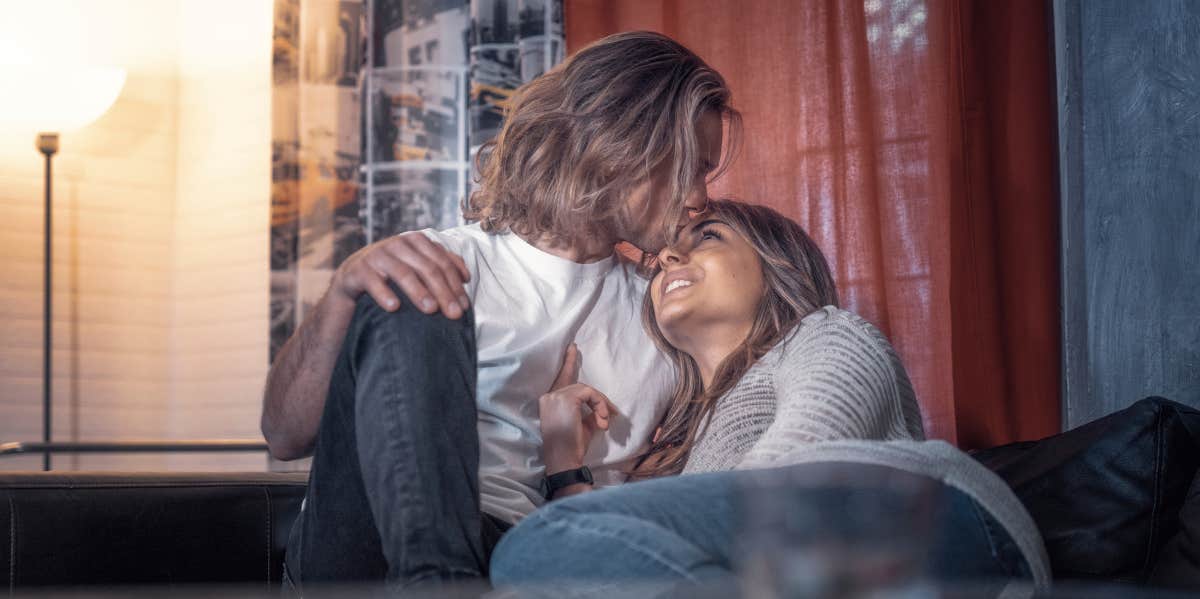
(47, 144)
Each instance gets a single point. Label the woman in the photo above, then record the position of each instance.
(774, 378)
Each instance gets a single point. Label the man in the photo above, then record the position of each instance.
(417, 418)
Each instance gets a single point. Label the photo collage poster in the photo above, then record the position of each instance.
(378, 109)
(316, 151)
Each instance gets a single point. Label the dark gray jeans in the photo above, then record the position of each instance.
(393, 493)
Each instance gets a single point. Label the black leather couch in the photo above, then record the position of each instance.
(1117, 500)
(114, 529)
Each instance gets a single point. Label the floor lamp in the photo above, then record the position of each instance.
(53, 99)
(47, 144)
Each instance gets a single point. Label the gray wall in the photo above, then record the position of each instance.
(1128, 75)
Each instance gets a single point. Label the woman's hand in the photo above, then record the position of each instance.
(571, 412)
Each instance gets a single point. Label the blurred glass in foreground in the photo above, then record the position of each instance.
(828, 530)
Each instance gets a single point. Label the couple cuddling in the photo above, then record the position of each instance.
(452, 383)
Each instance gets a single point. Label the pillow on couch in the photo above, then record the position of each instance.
(1107, 495)
(1178, 566)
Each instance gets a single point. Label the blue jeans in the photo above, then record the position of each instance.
(393, 493)
(662, 533)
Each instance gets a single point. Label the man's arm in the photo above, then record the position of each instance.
(429, 275)
(299, 378)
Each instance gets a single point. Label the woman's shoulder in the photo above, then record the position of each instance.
(830, 328)
(836, 344)
(842, 353)
(835, 317)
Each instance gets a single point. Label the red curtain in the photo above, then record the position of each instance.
(914, 141)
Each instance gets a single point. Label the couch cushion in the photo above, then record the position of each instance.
(1107, 495)
(117, 529)
(1178, 566)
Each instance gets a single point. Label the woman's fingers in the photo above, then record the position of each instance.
(568, 374)
(586, 402)
(601, 408)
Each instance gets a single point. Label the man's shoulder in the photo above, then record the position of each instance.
(462, 237)
(473, 244)
(471, 238)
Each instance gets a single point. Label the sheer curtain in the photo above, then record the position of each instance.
(914, 140)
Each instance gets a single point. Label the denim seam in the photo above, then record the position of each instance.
(403, 445)
(632, 546)
(413, 510)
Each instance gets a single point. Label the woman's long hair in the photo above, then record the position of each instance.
(797, 283)
(579, 138)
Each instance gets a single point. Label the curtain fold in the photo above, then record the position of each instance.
(913, 139)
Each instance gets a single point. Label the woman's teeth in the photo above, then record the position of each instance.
(676, 284)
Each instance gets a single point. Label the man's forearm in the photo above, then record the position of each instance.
(299, 378)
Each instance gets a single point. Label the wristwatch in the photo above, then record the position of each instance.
(552, 483)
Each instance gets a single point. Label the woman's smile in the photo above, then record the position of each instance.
(677, 279)
(676, 284)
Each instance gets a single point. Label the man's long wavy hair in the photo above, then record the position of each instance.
(797, 282)
(578, 139)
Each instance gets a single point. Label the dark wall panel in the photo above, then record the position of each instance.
(1129, 108)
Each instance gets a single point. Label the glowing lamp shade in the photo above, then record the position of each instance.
(57, 99)
(50, 100)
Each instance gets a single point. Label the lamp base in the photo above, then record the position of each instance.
(47, 143)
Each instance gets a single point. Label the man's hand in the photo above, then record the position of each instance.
(571, 413)
(432, 277)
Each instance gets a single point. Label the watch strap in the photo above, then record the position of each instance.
(566, 478)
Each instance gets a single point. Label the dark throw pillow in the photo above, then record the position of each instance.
(1178, 566)
(1107, 495)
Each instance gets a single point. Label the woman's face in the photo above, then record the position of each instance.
(710, 278)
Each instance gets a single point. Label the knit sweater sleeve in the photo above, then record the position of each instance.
(838, 378)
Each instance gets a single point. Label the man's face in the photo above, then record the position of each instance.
(646, 207)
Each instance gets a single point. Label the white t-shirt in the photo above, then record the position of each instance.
(529, 306)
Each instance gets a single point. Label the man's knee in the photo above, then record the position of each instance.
(408, 320)
(409, 352)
